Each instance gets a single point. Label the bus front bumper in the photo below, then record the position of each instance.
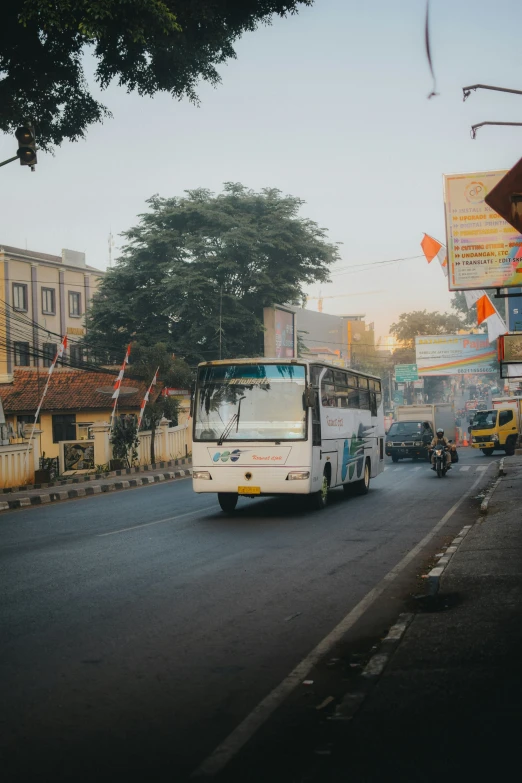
(260, 481)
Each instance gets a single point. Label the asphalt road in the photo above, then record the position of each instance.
(138, 629)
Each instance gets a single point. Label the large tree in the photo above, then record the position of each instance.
(418, 322)
(197, 271)
(144, 45)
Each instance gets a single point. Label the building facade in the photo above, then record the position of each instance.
(349, 337)
(42, 298)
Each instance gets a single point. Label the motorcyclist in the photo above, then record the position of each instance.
(438, 441)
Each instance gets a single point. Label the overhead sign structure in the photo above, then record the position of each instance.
(484, 251)
(454, 354)
(406, 373)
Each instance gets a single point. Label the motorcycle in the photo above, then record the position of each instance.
(439, 455)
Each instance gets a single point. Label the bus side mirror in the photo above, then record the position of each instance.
(309, 397)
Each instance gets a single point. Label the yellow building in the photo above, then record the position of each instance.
(42, 298)
(75, 400)
(360, 338)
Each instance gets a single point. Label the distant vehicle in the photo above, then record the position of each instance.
(499, 428)
(285, 427)
(405, 439)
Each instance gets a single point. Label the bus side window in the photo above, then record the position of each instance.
(353, 398)
(364, 400)
(373, 403)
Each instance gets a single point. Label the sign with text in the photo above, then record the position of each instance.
(454, 354)
(406, 373)
(484, 251)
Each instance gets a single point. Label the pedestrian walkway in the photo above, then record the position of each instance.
(86, 485)
(462, 469)
(448, 704)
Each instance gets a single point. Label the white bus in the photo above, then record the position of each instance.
(285, 426)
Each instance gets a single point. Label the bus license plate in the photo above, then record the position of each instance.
(249, 490)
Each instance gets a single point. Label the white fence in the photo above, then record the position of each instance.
(15, 470)
(169, 443)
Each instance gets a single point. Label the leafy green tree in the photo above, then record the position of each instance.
(146, 45)
(172, 371)
(458, 304)
(418, 322)
(197, 272)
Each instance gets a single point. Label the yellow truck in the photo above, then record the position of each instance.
(497, 429)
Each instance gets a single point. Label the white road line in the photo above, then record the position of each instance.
(418, 468)
(156, 522)
(386, 467)
(465, 467)
(224, 752)
(481, 468)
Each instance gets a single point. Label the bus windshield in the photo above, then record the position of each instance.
(250, 402)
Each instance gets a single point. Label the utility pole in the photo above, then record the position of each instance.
(220, 320)
(111, 245)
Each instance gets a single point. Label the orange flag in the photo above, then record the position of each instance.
(430, 247)
(484, 308)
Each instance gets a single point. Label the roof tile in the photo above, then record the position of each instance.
(69, 389)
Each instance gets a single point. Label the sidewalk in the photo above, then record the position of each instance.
(85, 485)
(438, 699)
(448, 705)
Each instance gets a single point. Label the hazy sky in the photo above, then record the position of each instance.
(331, 106)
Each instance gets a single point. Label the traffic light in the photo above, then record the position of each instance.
(26, 145)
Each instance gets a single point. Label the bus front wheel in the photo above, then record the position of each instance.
(227, 501)
(320, 499)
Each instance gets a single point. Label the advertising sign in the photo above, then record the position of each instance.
(454, 354)
(280, 335)
(514, 306)
(406, 373)
(483, 250)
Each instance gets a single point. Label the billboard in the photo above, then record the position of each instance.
(280, 333)
(454, 354)
(483, 250)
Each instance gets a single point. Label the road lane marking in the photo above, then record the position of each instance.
(156, 522)
(229, 748)
(418, 468)
(465, 467)
(481, 467)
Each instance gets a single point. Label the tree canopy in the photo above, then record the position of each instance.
(197, 271)
(144, 45)
(418, 322)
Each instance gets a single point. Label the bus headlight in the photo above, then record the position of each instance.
(297, 475)
(201, 474)
(418, 443)
(494, 437)
(389, 445)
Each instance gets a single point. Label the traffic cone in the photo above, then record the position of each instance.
(465, 441)
(457, 436)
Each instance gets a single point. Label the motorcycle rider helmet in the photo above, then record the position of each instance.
(440, 431)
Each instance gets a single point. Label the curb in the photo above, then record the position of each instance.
(172, 463)
(485, 503)
(434, 576)
(97, 489)
(353, 700)
(501, 471)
